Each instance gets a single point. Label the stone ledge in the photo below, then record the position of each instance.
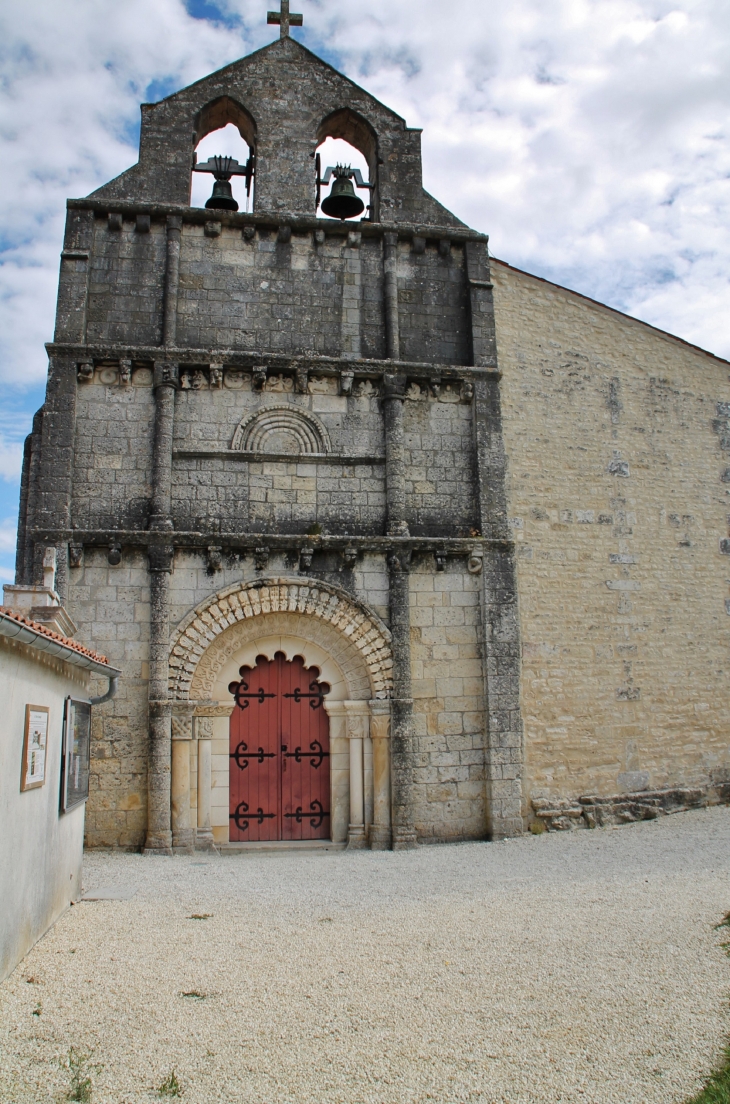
(592, 811)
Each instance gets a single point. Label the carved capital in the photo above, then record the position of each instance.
(161, 557)
(166, 374)
(399, 560)
(394, 386)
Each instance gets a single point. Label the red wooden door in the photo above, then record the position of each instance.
(279, 753)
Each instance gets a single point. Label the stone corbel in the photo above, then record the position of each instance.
(75, 554)
(305, 558)
(440, 558)
(475, 563)
(85, 371)
(435, 386)
(301, 380)
(346, 378)
(125, 373)
(216, 376)
(215, 559)
(261, 558)
(259, 377)
(467, 391)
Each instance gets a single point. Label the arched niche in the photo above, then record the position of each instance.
(348, 126)
(223, 128)
(218, 114)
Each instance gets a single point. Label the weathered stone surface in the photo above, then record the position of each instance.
(273, 417)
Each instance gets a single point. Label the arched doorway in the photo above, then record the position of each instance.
(279, 753)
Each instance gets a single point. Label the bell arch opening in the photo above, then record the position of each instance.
(224, 129)
(346, 138)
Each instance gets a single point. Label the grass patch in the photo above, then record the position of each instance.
(78, 1067)
(170, 1086)
(717, 1089)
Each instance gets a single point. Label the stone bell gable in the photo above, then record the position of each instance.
(284, 101)
(240, 397)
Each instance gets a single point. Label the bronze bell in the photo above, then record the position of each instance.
(342, 203)
(222, 197)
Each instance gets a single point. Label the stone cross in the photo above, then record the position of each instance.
(284, 19)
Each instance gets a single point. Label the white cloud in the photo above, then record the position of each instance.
(8, 535)
(590, 140)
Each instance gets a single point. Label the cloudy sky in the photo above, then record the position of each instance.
(589, 138)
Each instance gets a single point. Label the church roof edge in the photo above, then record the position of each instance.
(614, 310)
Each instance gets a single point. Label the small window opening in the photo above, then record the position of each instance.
(224, 142)
(334, 152)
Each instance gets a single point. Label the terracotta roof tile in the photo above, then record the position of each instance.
(45, 631)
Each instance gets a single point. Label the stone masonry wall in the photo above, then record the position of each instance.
(615, 435)
(448, 693)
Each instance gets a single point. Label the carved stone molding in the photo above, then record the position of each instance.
(356, 637)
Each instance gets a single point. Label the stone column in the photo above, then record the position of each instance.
(204, 836)
(165, 384)
(172, 279)
(394, 387)
(351, 298)
(182, 739)
(380, 831)
(500, 618)
(404, 833)
(159, 831)
(390, 282)
(339, 771)
(357, 726)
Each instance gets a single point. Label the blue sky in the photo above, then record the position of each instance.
(589, 138)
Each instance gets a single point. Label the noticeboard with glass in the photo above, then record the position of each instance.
(76, 759)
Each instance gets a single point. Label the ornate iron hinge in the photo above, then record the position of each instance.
(317, 755)
(242, 816)
(242, 755)
(315, 817)
(240, 693)
(317, 694)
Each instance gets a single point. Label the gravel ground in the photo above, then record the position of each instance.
(576, 967)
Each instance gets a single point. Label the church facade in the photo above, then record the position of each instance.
(392, 542)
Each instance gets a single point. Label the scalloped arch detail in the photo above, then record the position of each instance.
(281, 428)
(359, 629)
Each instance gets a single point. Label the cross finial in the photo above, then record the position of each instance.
(285, 19)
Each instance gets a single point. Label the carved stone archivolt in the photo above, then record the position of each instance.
(281, 428)
(357, 640)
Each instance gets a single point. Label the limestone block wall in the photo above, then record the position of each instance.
(126, 276)
(113, 451)
(448, 693)
(111, 606)
(615, 436)
(253, 291)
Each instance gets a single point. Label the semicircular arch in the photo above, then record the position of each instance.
(321, 622)
(267, 428)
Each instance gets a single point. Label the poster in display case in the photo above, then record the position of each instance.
(76, 758)
(35, 741)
